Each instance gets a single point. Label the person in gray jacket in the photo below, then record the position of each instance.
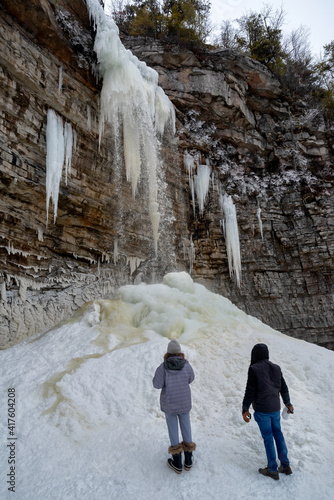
(174, 377)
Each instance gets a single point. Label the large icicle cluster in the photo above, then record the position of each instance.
(231, 233)
(133, 104)
(61, 142)
(200, 182)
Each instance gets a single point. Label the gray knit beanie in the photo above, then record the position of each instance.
(174, 347)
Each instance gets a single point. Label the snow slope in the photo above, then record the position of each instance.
(88, 423)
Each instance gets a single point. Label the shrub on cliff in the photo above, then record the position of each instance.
(260, 36)
(179, 21)
(325, 90)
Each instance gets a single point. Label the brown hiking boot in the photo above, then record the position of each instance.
(267, 472)
(285, 470)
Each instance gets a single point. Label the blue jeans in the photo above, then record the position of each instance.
(270, 428)
(173, 428)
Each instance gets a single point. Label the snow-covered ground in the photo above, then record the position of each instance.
(88, 423)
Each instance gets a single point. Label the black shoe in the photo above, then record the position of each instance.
(285, 470)
(188, 449)
(267, 472)
(175, 463)
(188, 460)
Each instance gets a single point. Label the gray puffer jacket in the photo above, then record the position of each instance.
(173, 377)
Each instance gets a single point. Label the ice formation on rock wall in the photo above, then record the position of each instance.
(3, 291)
(199, 183)
(231, 234)
(60, 141)
(40, 235)
(258, 213)
(116, 255)
(202, 183)
(60, 82)
(134, 263)
(189, 164)
(68, 146)
(191, 255)
(133, 104)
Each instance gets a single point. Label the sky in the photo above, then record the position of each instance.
(86, 422)
(316, 15)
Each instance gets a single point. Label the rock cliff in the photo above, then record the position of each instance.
(274, 157)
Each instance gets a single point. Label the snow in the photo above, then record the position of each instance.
(133, 104)
(88, 423)
(231, 233)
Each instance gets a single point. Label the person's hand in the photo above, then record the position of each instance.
(290, 408)
(246, 416)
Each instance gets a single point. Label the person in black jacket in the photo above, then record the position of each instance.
(265, 383)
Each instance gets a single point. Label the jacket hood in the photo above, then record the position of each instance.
(174, 363)
(259, 352)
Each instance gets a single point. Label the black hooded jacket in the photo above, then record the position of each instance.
(265, 383)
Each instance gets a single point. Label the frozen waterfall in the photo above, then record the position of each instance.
(133, 104)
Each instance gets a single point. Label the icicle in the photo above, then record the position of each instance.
(231, 237)
(54, 159)
(184, 248)
(164, 112)
(60, 83)
(3, 292)
(40, 233)
(258, 213)
(115, 250)
(59, 145)
(191, 255)
(68, 144)
(134, 263)
(189, 164)
(202, 183)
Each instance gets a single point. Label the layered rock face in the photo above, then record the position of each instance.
(274, 157)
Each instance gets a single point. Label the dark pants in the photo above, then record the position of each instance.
(270, 428)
